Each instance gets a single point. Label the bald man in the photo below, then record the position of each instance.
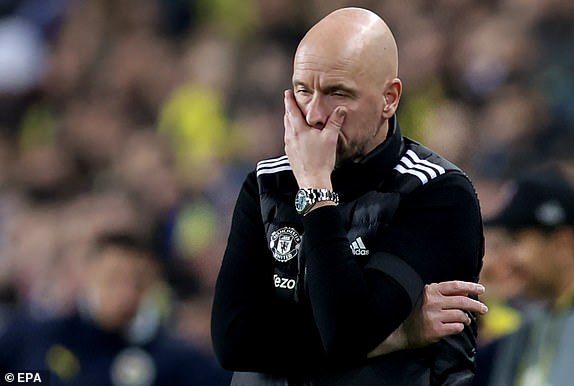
(334, 246)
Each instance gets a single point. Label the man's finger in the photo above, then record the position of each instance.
(458, 287)
(292, 111)
(336, 119)
(442, 329)
(451, 329)
(288, 128)
(464, 303)
(454, 316)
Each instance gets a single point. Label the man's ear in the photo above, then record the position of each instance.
(392, 97)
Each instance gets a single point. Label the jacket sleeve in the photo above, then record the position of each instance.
(436, 236)
(438, 231)
(251, 330)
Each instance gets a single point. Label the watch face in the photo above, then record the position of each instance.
(300, 201)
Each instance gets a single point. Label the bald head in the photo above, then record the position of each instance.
(348, 61)
(354, 36)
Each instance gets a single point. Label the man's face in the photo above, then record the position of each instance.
(322, 81)
(116, 284)
(502, 271)
(538, 260)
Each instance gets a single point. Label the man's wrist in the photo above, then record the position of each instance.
(315, 181)
(321, 204)
(395, 342)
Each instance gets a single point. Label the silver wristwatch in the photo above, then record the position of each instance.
(306, 198)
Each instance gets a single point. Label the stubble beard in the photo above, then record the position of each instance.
(353, 153)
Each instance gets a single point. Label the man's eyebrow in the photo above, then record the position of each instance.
(339, 87)
(329, 88)
(298, 83)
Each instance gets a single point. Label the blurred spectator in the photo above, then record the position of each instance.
(115, 336)
(22, 55)
(502, 275)
(554, 32)
(539, 217)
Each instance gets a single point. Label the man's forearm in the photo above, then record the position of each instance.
(395, 342)
(441, 311)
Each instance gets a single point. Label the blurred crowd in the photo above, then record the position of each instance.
(145, 116)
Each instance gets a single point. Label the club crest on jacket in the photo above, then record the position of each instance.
(285, 244)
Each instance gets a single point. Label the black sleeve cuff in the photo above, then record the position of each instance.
(323, 225)
(400, 271)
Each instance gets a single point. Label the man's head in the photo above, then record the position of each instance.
(349, 59)
(538, 217)
(119, 272)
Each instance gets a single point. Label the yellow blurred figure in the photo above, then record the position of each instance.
(194, 122)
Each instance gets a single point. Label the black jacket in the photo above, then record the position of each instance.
(303, 299)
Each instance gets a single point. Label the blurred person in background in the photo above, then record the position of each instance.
(115, 336)
(46, 240)
(505, 297)
(538, 217)
(308, 287)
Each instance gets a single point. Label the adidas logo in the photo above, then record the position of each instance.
(358, 247)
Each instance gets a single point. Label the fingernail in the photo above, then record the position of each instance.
(481, 288)
(484, 309)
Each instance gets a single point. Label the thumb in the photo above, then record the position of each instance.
(336, 119)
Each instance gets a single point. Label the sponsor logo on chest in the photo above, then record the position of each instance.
(358, 247)
(284, 282)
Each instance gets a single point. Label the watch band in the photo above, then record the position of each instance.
(306, 198)
(325, 195)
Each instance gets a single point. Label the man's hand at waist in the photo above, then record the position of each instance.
(442, 310)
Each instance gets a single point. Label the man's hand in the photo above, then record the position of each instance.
(311, 151)
(441, 311)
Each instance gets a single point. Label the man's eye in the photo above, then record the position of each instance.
(302, 91)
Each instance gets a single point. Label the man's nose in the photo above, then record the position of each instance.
(317, 112)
